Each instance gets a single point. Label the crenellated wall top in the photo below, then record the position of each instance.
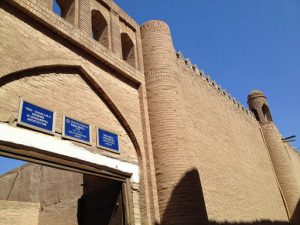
(199, 72)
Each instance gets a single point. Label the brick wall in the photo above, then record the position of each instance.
(226, 146)
(208, 155)
(84, 11)
(68, 90)
(295, 158)
(285, 170)
(279, 154)
(211, 160)
(295, 161)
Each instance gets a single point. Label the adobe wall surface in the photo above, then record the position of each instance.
(295, 158)
(56, 192)
(226, 147)
(295, 162)
(51, 195)
(16, 213)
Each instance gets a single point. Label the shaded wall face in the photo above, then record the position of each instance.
(225, 145)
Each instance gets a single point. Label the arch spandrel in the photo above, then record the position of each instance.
(30, 72)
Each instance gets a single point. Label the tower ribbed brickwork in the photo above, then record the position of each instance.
(280, 158)
(165, 112)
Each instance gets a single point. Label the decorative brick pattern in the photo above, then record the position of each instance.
(166, 123)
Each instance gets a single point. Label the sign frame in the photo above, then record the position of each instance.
(20, 122)
(63, 134)
(106, 148)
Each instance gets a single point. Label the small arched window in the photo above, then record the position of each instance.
(255, 114)
(65, 9)
(128, 49)
(266, 113)
(99, 28)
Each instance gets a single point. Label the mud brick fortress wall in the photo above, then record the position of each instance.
(203, 158)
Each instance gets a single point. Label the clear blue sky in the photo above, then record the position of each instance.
(7, 164)
(242, 44)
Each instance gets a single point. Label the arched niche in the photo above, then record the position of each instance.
(266, 113)
(255, 114)
(65, 9)
(128, 49)
(99, 28)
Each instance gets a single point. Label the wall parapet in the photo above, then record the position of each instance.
(201, 74)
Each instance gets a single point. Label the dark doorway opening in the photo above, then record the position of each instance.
(57, 196)
(101, 203)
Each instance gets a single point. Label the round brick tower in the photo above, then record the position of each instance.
(257, 102)
(175, 179)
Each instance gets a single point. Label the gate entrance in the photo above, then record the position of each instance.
(102, 201)
(35, 194)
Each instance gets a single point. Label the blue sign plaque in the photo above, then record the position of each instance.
(35, 117)
(108, 140)
(76, 130)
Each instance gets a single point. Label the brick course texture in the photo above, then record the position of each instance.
(203, 158)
